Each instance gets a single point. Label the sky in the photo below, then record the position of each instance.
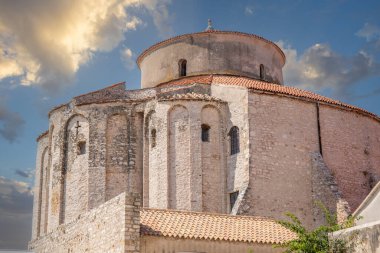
(53, 50)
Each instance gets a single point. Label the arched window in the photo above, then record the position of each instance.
(234, 140)
(233, 198)
(153, 137)
(262, 72)
(205, 133)
(182, 67)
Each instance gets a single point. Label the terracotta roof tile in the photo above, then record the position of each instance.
(210, 226)
(203, 79)
(190, 96)
(271, 87)
(257, 85)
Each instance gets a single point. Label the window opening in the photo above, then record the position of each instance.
(262, 72)
(182, 67)
(81, 148)
(233, 198)
(205, 133)
(153, 137)
(234, 140)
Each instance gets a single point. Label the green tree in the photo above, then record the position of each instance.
(317, 240)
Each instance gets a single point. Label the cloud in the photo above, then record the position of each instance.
(28, 173)
(319, 67)
(11, 123)
(248, 10)
(160, 13)
(369, 32)
(46, 42)
(127, 56)
(16, 204)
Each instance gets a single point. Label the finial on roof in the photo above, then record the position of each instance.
(209, 26)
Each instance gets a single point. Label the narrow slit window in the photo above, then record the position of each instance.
(81, 148)
(233, 198)
(182, 67)
(234, 140)
(205, 133)
(153, 134)
(262, 72)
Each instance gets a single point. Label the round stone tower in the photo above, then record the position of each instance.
(211, 52)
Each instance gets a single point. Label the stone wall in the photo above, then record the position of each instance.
(112, 227)
(274, 172)
(237, 165)
(212, 161)
(325, 191)
(179, 158)
(362, 238)
(74, 183)
(39, 180)
(75, 169)
(351, 149)
(150, 244)
(175, 175)
(212, 53)
(283, 135)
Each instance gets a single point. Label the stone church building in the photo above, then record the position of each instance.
(203, 158)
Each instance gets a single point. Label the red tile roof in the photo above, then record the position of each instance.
(190, 96)
(258, 85)
(170, 40)
(211, 226)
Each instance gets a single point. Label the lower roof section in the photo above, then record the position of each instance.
(259, 85)
(117, 92)
(212, 226)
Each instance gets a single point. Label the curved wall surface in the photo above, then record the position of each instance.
(212, 53)
(154, 147)
(286, 134)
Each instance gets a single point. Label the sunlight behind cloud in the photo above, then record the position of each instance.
(48, 41)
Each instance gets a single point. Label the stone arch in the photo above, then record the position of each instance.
(212, 164)
(147, 156)
(41, 194)
(74, 169)
(179, 172)
(117, 156)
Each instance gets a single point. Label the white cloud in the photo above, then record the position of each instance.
(128, 57)
(319, 67)
(248, 10)
(160, 13)
(369, 32)
(133, 23)
(46, 42)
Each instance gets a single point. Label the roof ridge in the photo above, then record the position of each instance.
(267, 218)
(102, 89)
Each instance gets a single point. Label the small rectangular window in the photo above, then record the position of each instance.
(205, 133)
(233, 198)
(153, 137)
(81, 148)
